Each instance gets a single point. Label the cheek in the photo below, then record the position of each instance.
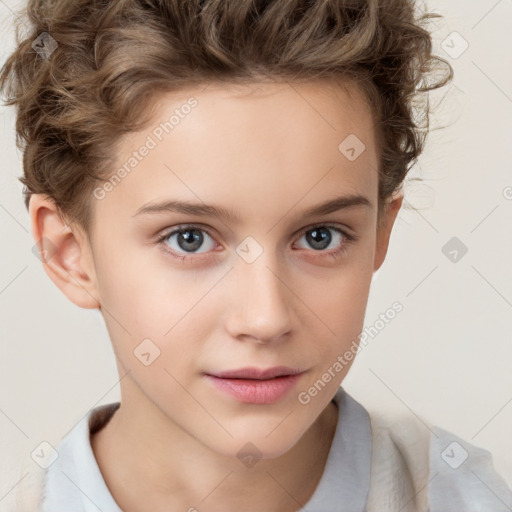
(340, 298)
(143, 289)
(339, 304)
(155, 309)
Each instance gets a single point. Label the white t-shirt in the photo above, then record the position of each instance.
(371, 467)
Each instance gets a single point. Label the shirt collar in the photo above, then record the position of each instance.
(345, 482)
(74, 481)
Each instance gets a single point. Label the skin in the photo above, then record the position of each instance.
(268, 152)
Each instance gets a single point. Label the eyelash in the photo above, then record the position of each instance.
(338, 253)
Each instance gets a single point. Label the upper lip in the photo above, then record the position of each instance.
(256, 373)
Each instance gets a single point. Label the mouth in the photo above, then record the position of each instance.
(256, 373)
(255, 386)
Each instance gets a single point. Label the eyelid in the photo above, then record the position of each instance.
(181, 227)
(167, 233)
(347, 232)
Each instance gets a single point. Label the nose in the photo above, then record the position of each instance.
(261, 308)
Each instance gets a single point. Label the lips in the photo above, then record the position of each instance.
(255, 386)
(256, 373)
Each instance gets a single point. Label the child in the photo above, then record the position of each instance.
(273, 137)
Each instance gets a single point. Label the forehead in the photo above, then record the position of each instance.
(238, 145)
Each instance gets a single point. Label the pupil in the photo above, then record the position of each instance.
(191, 242)
(319, 238)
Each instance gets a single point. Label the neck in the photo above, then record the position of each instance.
(171, 470)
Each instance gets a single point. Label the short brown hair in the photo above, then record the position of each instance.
(114, 55)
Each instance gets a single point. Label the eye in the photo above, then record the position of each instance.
(319, 238)
(186, 240)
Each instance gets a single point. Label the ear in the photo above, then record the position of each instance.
(384, 231)
(64, 251)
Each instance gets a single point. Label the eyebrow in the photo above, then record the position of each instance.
(206, 210)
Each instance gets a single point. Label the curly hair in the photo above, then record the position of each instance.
(112, 57)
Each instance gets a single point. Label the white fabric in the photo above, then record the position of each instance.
(74, 481)
(375, 464)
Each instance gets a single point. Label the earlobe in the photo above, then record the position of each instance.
(384, 231)
(64, 252)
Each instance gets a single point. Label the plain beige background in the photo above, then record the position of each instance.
(447, 356)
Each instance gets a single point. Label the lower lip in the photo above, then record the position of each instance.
(254, 391)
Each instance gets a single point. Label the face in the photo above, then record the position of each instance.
(212, 253)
